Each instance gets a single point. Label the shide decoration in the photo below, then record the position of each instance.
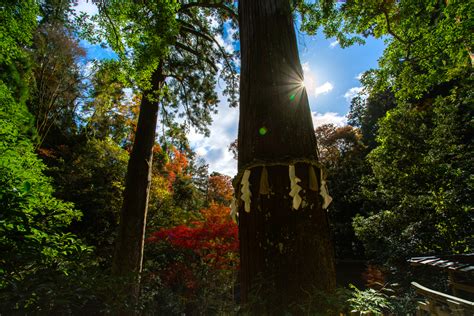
(316, 182)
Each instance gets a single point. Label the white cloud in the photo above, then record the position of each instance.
(328, 118)
(352, 92)
(213, 22)
(359, 76)
(201, 151)
(85, 6)
(231, 31)
(226, 43)
(305, 67)
(310, 82)
(88, 68)
(214, 149)
(323, 89)
(334, 44)
(128, 94)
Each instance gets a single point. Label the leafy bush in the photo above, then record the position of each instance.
(368, 301)
(91, 175)
(34, 242)
(422, 177)
(192, 267)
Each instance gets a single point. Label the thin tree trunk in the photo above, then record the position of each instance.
(285, 254)
(128, 256)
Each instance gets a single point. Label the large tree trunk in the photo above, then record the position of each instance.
(128, 256)
(285, 253)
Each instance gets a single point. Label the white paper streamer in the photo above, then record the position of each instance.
(295, 188)
(327, 199)
(264, 185)
(245, 190)
(313, 180)
(234, 210)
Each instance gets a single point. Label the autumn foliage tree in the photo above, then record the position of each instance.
(214, 238)
(195, 263)
(342, 152)
(220, 189)
(57, 80)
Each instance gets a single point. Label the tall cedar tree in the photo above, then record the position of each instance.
(285, 253)
(129, 248)
(175, 55)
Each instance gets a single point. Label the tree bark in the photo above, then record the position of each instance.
(285, 254)
(128, 256)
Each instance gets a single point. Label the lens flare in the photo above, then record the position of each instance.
(262, 131)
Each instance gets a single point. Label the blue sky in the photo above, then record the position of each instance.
(337, 69)
(331, 80)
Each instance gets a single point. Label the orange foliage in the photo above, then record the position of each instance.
(178, 162)
(216, 213)
(220, 189)
(176, 166)
(174, 162)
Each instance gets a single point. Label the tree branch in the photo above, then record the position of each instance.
(103, 9)
(195, 53)
(219, 5)
(189, 28)
(185, 94)
(197, 33)
(389, 29)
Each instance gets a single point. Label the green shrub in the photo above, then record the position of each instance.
(368, 301)
(34, 242)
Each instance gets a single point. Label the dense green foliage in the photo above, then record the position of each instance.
(342, 151)
(415, 118)
(145, 29)
(18, 23)
(182, 40)
(33, 222)
(92, 176)
(421, 172)
(409, 189)
(36, 245)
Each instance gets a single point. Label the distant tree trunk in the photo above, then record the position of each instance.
(285, 253)
(127, 260)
